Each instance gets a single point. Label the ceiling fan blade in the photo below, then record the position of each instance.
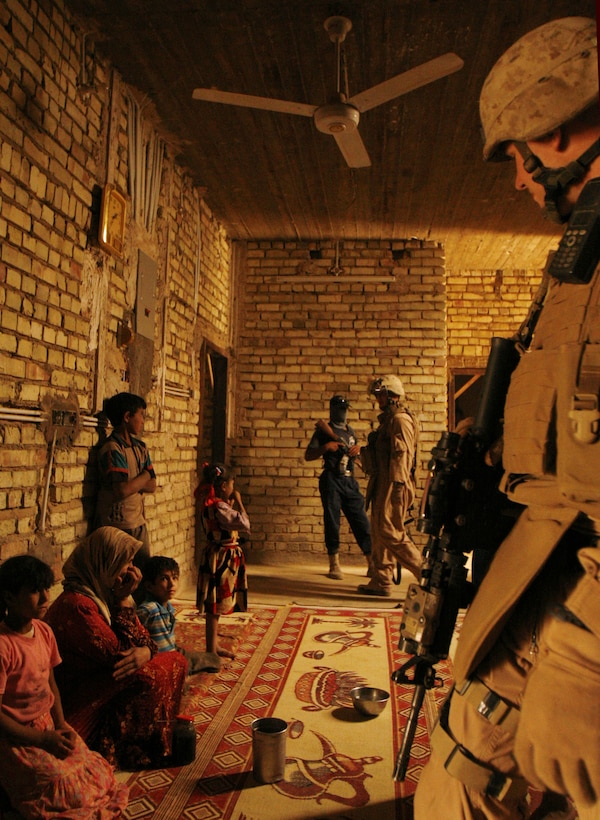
(248, 101)
(353, 148)
(403, 83)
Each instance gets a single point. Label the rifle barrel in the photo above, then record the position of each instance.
(403, 757)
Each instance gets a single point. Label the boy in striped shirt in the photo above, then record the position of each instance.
(157, 613)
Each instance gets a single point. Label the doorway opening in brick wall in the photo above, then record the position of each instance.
(464, 392)
(213, 405)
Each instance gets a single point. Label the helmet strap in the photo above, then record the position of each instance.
(556, 181)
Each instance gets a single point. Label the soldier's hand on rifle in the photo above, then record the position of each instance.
(332, 446)
(464, 426)
(354, 451)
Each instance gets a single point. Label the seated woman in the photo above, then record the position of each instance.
(117, 692)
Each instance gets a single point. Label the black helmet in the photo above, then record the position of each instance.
(339, 401)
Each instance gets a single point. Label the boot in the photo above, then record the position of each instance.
(335, 570)
(373, 589)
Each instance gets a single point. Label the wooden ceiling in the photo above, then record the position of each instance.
(274, 176)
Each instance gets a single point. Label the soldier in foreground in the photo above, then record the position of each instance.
(524, 709)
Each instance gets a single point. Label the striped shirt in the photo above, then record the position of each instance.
(159, 620)
(120, 461)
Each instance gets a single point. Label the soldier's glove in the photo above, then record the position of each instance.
(557, 745)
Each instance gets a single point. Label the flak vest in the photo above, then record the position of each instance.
(551, 456)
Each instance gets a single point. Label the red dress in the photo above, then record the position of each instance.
(222, 582)
(129, 722)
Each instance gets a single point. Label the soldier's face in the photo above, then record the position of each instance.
(381, 397)
(554, 151)
(523, 179)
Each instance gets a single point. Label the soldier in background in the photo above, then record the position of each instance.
(525, 704)
(390, 461)
(336, 443)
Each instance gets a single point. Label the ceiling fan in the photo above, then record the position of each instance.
(341, 116)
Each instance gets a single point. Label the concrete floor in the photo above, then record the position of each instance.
(307, 584)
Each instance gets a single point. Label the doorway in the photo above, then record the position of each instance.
(464, 392)
(213, 410)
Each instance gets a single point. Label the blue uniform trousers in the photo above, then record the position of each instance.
(339, 494)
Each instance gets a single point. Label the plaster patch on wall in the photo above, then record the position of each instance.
(116, 367)
(94, 295)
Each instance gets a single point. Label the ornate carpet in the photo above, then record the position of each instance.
(298, 664)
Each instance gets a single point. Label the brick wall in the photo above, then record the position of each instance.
(294, 333)
(64, 301)
(482, 304)
(305, 334)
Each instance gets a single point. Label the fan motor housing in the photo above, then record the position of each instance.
(336, 118)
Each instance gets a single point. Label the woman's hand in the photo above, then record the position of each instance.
(130, 661)
(126, 584)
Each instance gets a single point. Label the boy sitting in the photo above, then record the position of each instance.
(160, 580)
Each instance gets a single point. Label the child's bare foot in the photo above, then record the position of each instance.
(225, 653)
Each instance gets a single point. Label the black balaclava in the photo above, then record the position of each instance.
(338, 407)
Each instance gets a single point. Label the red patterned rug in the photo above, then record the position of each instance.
(298, 664)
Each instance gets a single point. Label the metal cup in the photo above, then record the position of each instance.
(268, 749)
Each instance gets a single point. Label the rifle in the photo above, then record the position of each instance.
(461, 510)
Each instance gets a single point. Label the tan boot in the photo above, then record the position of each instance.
(372, 589)
(335, 570)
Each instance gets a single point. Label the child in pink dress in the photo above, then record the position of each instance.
(47, 770)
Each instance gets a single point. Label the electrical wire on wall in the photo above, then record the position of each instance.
(146, 154)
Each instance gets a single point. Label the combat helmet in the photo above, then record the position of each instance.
(389, 384)
(545, 79)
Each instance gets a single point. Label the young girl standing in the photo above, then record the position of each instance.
(47, 770)
(222, 583)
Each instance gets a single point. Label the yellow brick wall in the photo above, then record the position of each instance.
(482, 304)
(292, 341)
(303, 335)
(63, 298)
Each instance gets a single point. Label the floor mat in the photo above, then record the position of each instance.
(298, 664)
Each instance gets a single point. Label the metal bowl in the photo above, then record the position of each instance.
(368, 700)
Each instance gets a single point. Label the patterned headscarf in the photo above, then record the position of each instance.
(94, 565)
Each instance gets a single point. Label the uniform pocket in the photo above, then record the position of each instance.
(578, 422)
(529, 416)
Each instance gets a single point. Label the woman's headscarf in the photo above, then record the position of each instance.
(94, 565)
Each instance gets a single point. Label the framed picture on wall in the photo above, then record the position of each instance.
(113, 211)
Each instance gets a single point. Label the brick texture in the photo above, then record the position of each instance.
(305, 334)
(293, 330)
